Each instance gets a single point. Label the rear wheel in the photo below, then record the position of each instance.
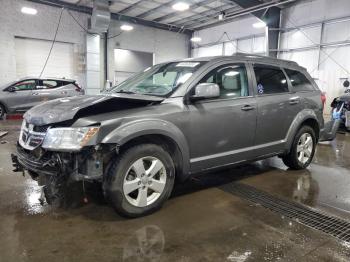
(302, 150)
(139, 180)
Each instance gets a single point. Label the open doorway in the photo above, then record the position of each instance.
(128, 62)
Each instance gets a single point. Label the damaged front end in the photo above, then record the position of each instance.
(51, 157)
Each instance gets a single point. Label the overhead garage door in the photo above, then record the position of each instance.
(32, 53)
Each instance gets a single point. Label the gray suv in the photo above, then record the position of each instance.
(19, 96)
(171, 121)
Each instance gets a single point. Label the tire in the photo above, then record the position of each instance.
(2, 111)
(294, 159)
(132, 184)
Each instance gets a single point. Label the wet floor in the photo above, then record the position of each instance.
(199, 223)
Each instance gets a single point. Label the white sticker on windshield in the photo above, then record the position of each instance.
(187, 64)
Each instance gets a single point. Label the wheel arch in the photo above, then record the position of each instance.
(305, 117)
(158, 132)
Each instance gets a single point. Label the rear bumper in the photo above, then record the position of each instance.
(25, 161)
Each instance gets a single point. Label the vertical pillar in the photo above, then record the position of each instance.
(93, 82)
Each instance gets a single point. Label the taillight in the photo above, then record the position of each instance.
(78, 88)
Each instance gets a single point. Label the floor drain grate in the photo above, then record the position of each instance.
(307, 216)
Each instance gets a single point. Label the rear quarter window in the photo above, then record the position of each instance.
(299, 81)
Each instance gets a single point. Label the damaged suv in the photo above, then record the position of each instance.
(169, 122)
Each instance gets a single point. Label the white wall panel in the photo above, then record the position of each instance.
(31, 55)
(230, 48)
(335, 32)
(214, 50)
(307, 59)
(259, 44)
(245, 45)
(301, 38)
(333, 70)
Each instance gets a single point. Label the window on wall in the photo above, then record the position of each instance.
(299, 81)
(270, 80)
(232, 80)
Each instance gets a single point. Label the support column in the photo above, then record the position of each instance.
(93, 82)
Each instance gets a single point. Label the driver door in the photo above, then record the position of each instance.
(222, 130)
(21, 97)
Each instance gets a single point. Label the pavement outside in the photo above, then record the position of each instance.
(199, 223)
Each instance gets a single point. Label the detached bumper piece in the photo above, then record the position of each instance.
(25, 161)
(330, 130)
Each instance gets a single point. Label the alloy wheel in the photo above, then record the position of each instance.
(305, 147)
(145, 181)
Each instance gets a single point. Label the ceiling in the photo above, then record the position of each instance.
(201, 12)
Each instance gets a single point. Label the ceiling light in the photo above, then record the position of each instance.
(181, 6)
(126, 27)
(196, 39)
(29, 11)
(259, 25)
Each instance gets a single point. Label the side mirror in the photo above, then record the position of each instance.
(206, 90)
(11, 89)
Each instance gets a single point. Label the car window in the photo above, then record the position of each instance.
(25, 85)
(270, 80)
(299, 81)
(48, 84)
(232, 80)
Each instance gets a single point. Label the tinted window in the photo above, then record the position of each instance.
(299, 81)
(232, 80)
(25, 85)
(270, 80)
(48, 84)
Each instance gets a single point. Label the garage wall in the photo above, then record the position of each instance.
(87, 50)
(165, 45)
(42, 27)
(323, 43)
(242, 37)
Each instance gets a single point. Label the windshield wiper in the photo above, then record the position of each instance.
(125, 92)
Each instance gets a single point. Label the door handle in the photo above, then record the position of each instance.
(247, 108)
(294, 100)
(35, 94)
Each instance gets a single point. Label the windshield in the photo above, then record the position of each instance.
(159, 80)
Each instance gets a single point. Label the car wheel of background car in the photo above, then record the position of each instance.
(139, 180)
(302, 150)
(2, 111)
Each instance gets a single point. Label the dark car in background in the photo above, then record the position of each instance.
(171, 121)
(21, 95)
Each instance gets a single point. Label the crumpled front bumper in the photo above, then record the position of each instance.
(23, 160)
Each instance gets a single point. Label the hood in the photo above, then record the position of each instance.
(70, 108)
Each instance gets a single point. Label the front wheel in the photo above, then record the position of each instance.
(140, 180)
(302, 150)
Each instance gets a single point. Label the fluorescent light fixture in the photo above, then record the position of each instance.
(196, 39)
(29, 10)
(126, 27)
(259, 24)
(181, 6)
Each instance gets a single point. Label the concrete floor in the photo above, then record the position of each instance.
(199, 223)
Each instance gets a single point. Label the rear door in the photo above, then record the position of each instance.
(222, 130)
(49, 89)
(277, 108)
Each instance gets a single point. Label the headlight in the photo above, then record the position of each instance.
(68, 138)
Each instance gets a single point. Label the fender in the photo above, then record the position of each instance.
(300, 118)
(134, 129)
